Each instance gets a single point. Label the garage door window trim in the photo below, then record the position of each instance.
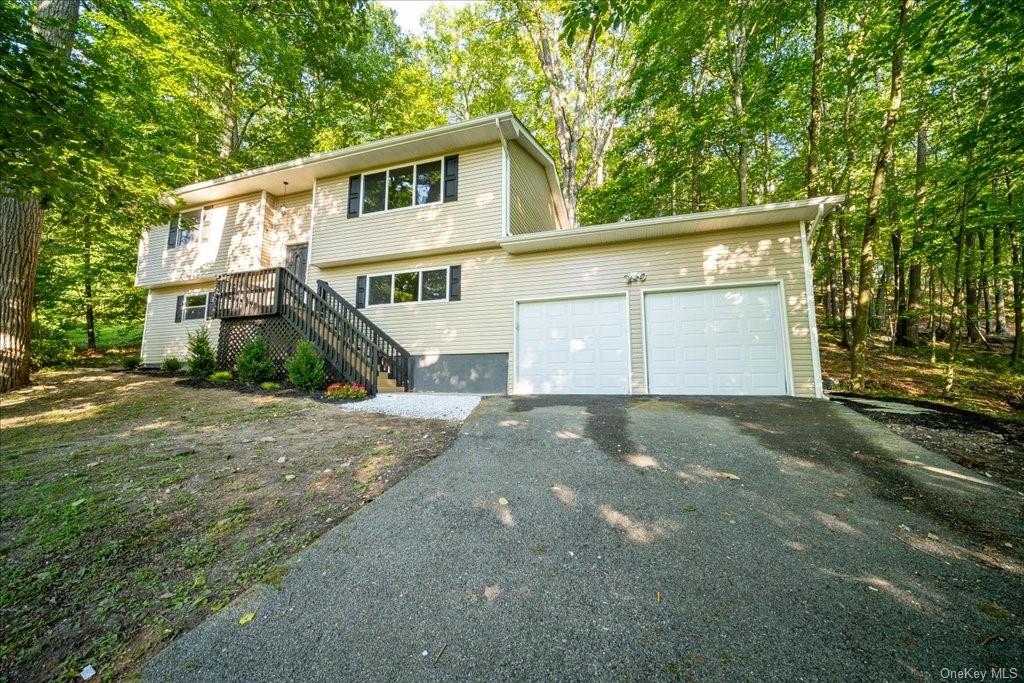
(783, 317)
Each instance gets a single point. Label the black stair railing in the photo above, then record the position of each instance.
(276, 291)
(394, 360)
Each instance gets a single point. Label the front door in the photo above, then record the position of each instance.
(295, 260)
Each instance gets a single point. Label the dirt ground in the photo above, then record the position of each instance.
(133, 506)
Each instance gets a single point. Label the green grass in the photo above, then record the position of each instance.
(118, 337)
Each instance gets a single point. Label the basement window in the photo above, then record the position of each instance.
(195, 306)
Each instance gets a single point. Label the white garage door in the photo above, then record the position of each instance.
(715, 341)
(572, 346)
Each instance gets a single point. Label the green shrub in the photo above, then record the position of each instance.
(201, 361)
(254, 364)
(306, 368)
(130, 362)
(270, 386)
(51, 348)
(220, 376)
(171, 364)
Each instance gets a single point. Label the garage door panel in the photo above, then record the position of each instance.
(572, 346)
(716, 341)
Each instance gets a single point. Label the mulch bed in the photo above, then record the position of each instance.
(990, 445)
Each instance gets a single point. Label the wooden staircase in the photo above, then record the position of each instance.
(358, 350)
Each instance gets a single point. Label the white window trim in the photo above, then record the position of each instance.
(185, 306)
(387, 187)
(197, 231)
(419, 292)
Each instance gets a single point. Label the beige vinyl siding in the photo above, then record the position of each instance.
(473, 219)
(287, 222)
(230, 240)
(492, 280)
(162, 337)
(530, 205)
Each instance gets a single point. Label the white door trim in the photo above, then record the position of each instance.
(514, 374)
(790, 383)
(812, 313)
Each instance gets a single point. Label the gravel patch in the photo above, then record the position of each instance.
(451, 407)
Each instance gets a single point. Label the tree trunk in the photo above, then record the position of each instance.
(90, 313)
(971, 285)
(21, 225)
(1017, 276)
(997, 279)
(738, 38)
(847, 266)
(983, 298)
(858, 354)
(814, 125)
(908, 335)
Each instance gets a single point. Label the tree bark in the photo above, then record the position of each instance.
(90, 312)
(814, 125)
(971, 284)
(997, 279)
(858, 352)
(738, 45)
(21, 225)
(908, 335)
(1017, 277)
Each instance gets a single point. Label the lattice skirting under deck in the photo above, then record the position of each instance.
(281, 341)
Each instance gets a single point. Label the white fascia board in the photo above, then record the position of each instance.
(670, 226)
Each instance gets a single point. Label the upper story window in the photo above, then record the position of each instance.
(185, 227)
(425, 182)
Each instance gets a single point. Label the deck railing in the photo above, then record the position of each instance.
(394, 360)
(276, 291)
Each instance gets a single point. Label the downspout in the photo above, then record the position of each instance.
(812, 318)
(504, 179)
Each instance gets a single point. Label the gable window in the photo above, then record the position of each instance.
(195, 306)
(404, 186)
(408, 286)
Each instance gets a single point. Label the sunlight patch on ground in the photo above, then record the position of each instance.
(938, 547)
(566, 434)
(499, 508)
(835, 524)
(564, 494)
(948, 473)
(644, 462)
(635, 529)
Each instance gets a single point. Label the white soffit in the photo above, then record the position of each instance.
(670, 226)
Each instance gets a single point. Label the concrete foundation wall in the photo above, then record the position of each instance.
(473, 373)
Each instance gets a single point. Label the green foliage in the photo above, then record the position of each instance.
(51, 348)
(201, 360)
(220, 376)
(254, 364)
(306, 368)
(131, 362)
(113, 337)
(270, 386)
(171, 364)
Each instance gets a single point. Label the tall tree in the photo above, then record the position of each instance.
(817, 102)
(47, 47)
(866, 284)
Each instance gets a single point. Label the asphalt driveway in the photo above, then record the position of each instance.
(638, 539)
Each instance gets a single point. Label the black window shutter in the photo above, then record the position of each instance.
(361, 291)
(179, 308)
(451, 178)
(211, 303)
(455, 283)
(172, 232)
(353, 196)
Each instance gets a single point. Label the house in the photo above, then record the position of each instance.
(442, 261)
